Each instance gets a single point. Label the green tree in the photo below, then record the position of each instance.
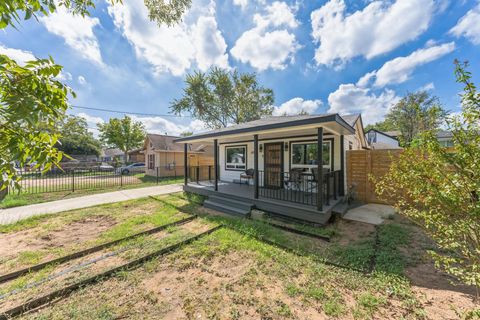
(221, 97)
(123, 134)
(75, 139)
(415, 113)
(31, 97)
(439, 189)
(31, 102)
(160, 11)
(186, 134)
(384, 125)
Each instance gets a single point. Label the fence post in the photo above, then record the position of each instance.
(157, 175)
(73, 180)
(198, 174)
(121, 178)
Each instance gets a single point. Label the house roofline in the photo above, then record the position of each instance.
(386, 135)
(321, 119)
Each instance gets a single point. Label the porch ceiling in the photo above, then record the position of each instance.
(330, 128)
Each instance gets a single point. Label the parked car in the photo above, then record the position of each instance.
(134, 168)
(105, 167)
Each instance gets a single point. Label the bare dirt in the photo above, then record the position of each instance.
(75, 233)
(348, 232)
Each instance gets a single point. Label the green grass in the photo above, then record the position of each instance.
(26, 197)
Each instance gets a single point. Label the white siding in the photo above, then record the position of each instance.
(229, 175)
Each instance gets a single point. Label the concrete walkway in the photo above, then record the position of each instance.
(370, 213)
(12, 215)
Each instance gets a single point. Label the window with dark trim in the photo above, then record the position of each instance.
(151, 161)
(236, 158)
(305, 154)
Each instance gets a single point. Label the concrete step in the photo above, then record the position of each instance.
(226, 208)
(340, 208)
(231, 202)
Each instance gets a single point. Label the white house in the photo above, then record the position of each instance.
(297, 164)
(382, 140)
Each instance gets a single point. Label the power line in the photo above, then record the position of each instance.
(128, 112)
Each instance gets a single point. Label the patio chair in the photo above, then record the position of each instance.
(294, 179)
(247, 175)
(314, 181)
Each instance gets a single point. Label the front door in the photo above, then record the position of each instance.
(273, 165)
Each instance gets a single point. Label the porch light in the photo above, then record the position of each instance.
(286, 146)
(260, 147)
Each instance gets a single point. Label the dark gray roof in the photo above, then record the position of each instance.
(272, 122)
(351, 118)
(444, 134)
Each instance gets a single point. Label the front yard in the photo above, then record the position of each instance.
(245, 270)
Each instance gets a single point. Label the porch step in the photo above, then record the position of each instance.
(340, 208)
(228, 205)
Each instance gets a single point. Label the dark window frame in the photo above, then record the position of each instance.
(246, 157)
(332, 152)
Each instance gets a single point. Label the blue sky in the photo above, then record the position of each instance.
(318, 56)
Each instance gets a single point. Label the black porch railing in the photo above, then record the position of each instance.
(298, 188)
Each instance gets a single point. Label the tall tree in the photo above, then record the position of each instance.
(415, 113)
(75, 139)
(123, 134)
(440, 190)
(32, 98)
(384, 125)
(31, 102)
(222, 97)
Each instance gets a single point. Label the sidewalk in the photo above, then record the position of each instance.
(12, 215)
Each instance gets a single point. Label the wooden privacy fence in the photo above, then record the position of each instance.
(361, 164)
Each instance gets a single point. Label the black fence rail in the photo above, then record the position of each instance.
(57, 180)
(298, 187)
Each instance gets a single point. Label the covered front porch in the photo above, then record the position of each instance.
(296, 169)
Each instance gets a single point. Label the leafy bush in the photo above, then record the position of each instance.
(438, 188)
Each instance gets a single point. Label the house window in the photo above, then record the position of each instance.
(305, 154)
(446, 143)
(236, 158)
(151, 161)
(350, 145)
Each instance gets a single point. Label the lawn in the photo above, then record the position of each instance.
(26, 197)
(246, 270)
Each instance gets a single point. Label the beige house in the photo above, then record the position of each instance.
(165, 158)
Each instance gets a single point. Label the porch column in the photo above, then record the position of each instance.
(342, 166)
(255, 165)
(320, 169)
(185, 163)
(215, 162)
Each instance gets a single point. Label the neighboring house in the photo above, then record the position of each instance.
(445, 138)
(298, 164)
(165, 158)
(109, 154)
(382, 140)
(137, 155)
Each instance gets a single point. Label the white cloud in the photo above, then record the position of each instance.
(349, 98)
(157, 125)
(209, 43)
(77, 31)
(241, 3)
(269, 44)
(427, 87)
(82, 80)
(173, 49)
(161, 125)
(92, 122)
(400, 69)
(469, 26)
(20, 56)
(296, 105)
(379, 28)
(64, 76)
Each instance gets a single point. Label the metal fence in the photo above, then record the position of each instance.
(55, 180)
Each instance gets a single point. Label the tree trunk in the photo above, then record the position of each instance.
(125, 157)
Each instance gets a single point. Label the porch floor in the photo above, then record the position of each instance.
(245, 192)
